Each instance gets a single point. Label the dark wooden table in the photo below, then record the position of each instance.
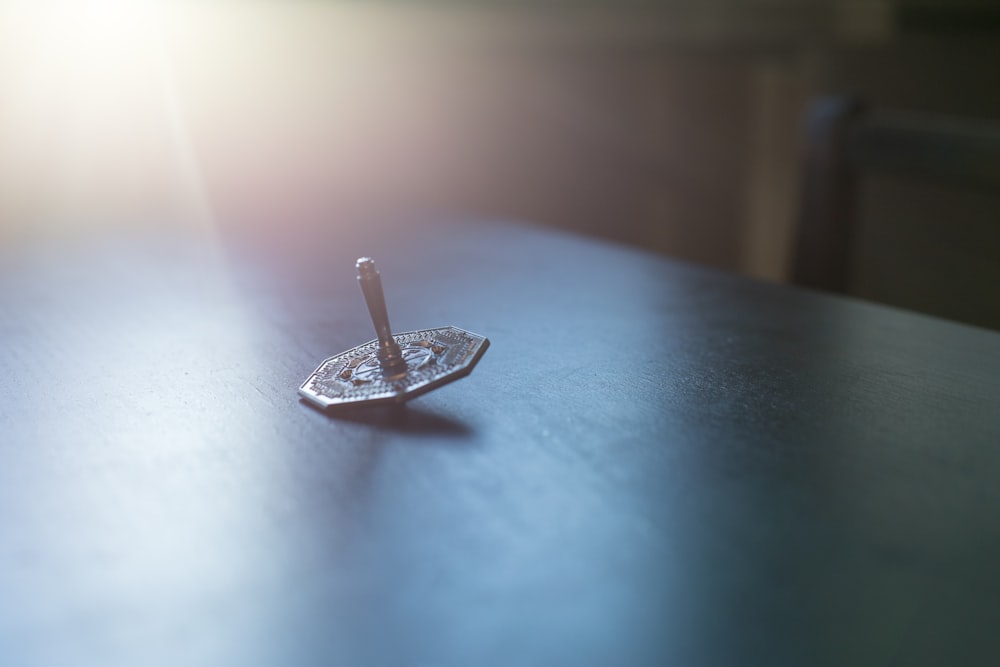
(654, 464)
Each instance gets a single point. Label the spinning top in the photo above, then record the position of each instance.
(394, 367)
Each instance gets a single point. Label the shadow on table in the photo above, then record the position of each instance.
(399, 419)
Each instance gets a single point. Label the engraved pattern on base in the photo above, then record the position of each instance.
(433, 357)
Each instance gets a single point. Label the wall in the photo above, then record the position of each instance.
(669, 126)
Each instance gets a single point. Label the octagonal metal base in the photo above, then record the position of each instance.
(433, 357)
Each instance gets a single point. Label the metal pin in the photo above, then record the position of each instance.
(360, 377)
(390, 357)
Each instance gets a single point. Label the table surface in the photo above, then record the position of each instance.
(654, 463)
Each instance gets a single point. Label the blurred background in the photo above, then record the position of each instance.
(670, 125)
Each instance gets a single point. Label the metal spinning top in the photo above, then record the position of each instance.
(394, 367)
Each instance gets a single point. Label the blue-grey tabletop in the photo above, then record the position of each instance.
(653, 463)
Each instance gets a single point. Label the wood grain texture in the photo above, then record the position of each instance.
(653, 464)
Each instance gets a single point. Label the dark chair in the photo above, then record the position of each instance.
(949, 218)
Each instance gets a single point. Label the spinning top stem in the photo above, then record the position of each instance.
(390, 357)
